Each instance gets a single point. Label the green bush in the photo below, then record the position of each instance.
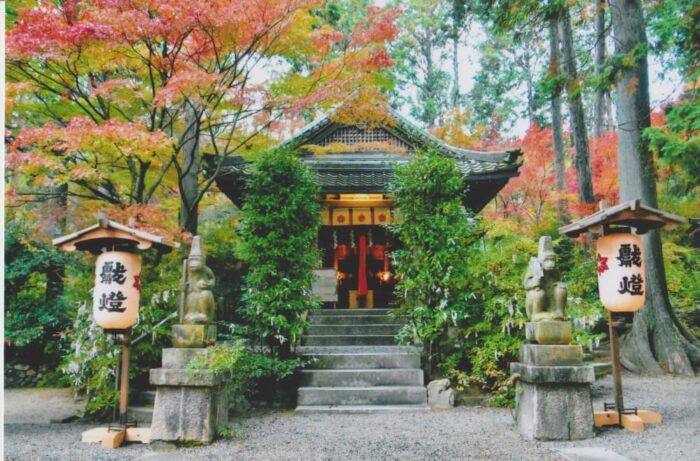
(243, 369)
(279, 227)
(435, 290)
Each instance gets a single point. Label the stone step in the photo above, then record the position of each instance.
(362, 377)
(385, 360)
(369, 329)
(378, 395)
(374, 311)
(394, 349)
(360, 409)
(143, 415)
(143, 398)
(347, 340)
(352, 320)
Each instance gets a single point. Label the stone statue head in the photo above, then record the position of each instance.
(197, 257)
(546, 253)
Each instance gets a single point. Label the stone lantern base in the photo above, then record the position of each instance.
(553, 395)
(190, 405)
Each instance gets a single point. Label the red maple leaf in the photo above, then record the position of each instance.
(602, 264)
(137, 282)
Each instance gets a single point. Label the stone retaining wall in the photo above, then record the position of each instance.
(23, 375)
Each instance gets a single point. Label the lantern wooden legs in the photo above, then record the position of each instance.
(114, 435)
(124, 391)
(616, 414)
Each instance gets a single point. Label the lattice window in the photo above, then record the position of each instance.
(354, 135)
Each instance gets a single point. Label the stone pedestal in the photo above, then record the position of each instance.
(549, 332)
(553, 395)
(194, 336)
(190, 405)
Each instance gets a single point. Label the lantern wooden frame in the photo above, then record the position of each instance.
(620, 219)
(105, 236)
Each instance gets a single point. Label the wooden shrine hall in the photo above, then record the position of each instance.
(355, 165)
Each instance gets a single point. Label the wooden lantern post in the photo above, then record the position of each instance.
(116, 301)
(621, 286)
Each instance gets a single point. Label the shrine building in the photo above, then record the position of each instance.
(355, 165)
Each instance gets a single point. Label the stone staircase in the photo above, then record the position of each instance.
(141, 406)
(357, 367)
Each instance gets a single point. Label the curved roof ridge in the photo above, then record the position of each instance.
(407, 127)
(508, 155)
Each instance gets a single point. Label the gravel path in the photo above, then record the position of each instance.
(466, 433)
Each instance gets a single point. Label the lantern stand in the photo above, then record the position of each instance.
(614, 225)
(116, 246)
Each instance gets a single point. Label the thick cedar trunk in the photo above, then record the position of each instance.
(654, 343)
(531, 106)
(600, 103)
(455, 72)
(557, 132)
(189, 177)
(578, 121)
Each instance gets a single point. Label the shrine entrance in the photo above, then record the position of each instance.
(355, 247)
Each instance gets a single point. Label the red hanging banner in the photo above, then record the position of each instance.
(362, 268)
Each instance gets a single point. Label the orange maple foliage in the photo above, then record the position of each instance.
(126, 74)
(529, 201)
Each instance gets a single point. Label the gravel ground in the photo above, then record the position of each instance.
(465, 433)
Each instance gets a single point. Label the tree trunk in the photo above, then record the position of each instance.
(557, 132)
(531, 105)
(57, 270)
(455, 72)
(599, 105)
(578, 121)
(189, 176)
(654, 343)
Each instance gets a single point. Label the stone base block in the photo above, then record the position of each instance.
(555, 375)
(183, 413)
(194, 336)
(440, 395)
(549, 332)
(551, 355)
(190, 405)
(180, 358)
(554, 411)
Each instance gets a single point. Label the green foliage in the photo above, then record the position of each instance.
(435, 288)
(683, 279)
(34, 319)
(280, 222)
(242, 368)
(677, 144)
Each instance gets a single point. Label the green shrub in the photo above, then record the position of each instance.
(35, 317)
(279, 227)
(242, 368)
(435, 290)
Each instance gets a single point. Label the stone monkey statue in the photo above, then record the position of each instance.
(546, 294)
(199, 306)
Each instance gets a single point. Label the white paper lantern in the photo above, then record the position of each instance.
(621, 276)
(117, 290)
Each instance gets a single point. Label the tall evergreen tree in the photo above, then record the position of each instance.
(654, 342)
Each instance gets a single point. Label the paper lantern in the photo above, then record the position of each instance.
(621, 276)
(117, 290)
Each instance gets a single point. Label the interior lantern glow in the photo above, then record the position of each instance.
(621, 276)
(117, 290)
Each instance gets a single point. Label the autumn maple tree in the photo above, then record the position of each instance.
(118, 101)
